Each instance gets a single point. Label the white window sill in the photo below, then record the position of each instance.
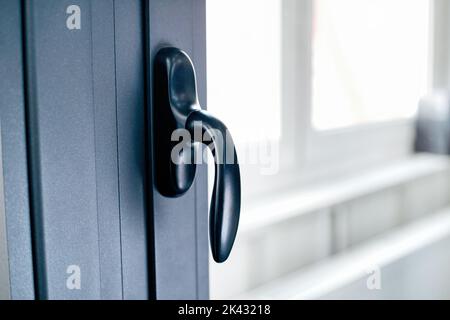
(328, 277)
(298, 202)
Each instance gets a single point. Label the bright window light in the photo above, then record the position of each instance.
(370, 60)
(244, 67)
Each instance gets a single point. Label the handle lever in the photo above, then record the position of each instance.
(177, 107)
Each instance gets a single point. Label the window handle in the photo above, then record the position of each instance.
(178, 115)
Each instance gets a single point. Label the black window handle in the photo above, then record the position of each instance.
(176, 106)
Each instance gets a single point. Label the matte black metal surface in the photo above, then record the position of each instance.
(86, 149)
(14, 155)
(5, 284)
(106, 163)
(176, 106)
(226, 195)
(62, 149)
(130, 81)
(171, 109)
(179, 225)
(86, 124)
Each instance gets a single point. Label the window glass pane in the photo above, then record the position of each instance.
(370, 60)
(244, 67)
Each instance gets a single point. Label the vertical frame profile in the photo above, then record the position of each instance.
(179, 226)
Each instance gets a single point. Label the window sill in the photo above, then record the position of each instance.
(352, 267)
(298, 202)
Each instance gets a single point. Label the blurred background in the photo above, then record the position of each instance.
(324, 99)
